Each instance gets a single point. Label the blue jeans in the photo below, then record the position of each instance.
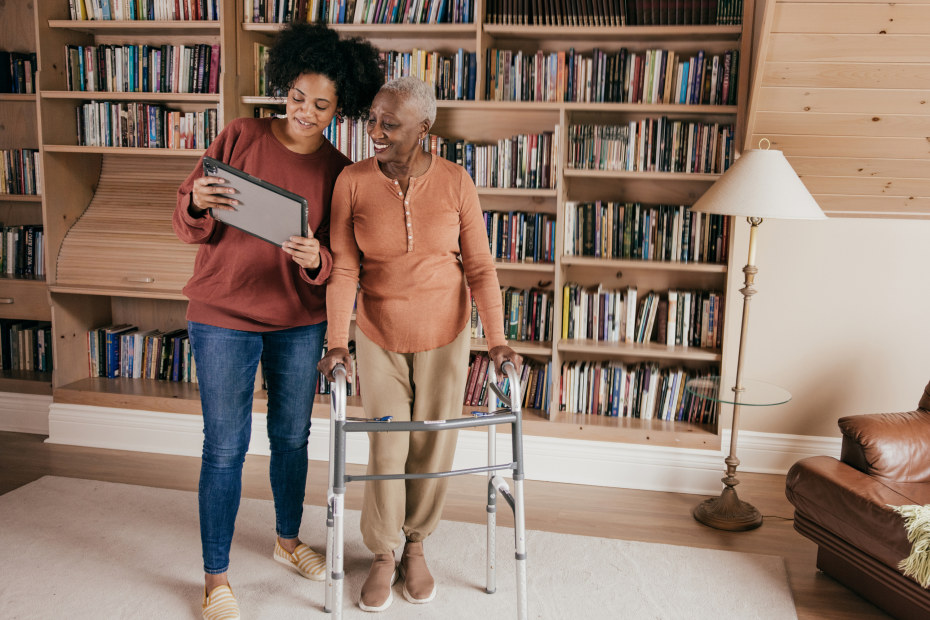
(227, 361)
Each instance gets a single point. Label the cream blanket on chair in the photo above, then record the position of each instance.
(917, 524)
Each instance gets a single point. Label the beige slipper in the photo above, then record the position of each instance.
(220, 604)
(304, 560)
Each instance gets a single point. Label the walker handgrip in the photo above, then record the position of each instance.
(338, 392)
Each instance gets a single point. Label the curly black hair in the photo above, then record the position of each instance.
(352, 64)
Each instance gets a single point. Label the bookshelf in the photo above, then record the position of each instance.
(115, 262)
(115, 257)
(21, 297)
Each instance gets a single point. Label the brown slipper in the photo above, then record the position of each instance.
(419, 586)
(376, 592)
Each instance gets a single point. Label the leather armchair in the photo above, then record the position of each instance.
(843, 505)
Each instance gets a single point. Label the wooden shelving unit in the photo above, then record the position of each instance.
(21, 299)
(120, 293)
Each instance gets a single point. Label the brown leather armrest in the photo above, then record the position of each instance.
(851, 505)
(890, 446)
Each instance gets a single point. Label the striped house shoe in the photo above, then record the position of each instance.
(304, 560)
(220, 604)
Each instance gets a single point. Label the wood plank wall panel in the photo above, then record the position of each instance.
(844, 90)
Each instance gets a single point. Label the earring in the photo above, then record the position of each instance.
(340, 118)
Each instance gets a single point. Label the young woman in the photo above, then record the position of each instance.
(252, 301)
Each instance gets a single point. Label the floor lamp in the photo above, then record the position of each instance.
(761, 184)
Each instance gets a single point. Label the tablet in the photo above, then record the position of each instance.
(267, 211)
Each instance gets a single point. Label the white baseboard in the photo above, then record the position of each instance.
(24, 413)
(633, 466)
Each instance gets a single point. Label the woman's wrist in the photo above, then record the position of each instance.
(193, 210)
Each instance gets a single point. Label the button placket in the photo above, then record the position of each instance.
(408, 220)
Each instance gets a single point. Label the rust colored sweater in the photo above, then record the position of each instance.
(409, 258)
(241, 282)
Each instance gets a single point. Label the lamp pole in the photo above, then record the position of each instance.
(728, 511)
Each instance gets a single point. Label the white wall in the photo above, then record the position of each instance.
(841, 318)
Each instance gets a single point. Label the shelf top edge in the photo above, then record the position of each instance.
(20, 197)
(122, 150)
(136, 24)
(645, 350)
(548, 268)
(616, 34)
(124, 95)
(115, 292)
(553, 106)
(613, 263)
(665, 176)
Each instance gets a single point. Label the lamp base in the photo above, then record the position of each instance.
(727, 512)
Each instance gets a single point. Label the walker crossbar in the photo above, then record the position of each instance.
(496, 484)
(439, 425)
(438, 474)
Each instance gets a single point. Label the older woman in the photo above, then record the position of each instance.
(406, 232)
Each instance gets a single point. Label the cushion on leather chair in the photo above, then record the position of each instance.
(890, 446)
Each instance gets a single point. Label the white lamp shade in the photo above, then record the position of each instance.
(761, 183)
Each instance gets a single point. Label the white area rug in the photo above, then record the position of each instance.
(81, 549)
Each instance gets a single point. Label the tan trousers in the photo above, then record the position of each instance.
(409, 386)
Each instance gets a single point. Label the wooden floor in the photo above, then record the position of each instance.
(594, 511)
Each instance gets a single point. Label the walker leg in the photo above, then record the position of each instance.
(336, 496)
(519, 525)
(491, 553)
(337, 575)
(491, 586)
(328, 605)
(339, 488)
(520, 544)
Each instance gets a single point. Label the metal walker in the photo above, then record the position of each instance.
(510, 414)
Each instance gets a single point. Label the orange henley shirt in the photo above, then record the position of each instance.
(408, 257)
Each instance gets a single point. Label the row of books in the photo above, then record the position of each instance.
(622, 76)
(351, 138)
(360, 11)
(25, 345)
(644, 391)
(124, 350)
(134, 68)
(535, 381)
(620, 230)
(22, 251)
(144, 125)
(519, 237)
(18, 72)
(675, 318)
(452, 75)
(145, 9)
(20, 172)
(614, 12)
(684, 12)
(525, 160)
(528, 315)
(652, 145)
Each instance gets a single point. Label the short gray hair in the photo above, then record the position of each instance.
(418, 92)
